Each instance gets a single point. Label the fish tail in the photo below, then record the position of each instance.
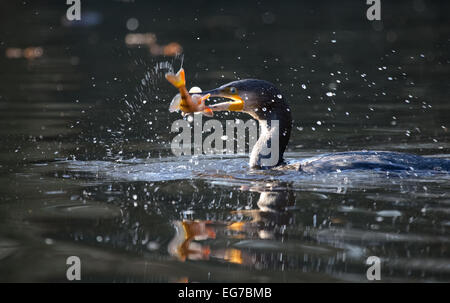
(178, 80)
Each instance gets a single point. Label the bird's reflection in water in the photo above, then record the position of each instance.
(191, 236)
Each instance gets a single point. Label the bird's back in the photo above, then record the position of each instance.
(379, 160)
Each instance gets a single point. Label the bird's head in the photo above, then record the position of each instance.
(264, 102)
(255, 97)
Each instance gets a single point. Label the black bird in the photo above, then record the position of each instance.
(265, 103)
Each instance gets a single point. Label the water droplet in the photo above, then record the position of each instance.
(132, 24)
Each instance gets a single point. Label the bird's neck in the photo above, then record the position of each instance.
(275, 130)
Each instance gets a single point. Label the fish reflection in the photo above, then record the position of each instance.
(191, 236)
(182, 244)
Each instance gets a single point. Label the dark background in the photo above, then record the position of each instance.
(85, 161)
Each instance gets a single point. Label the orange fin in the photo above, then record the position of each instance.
(208, 112)
(211, 233)
(206, 251)
(177, 79)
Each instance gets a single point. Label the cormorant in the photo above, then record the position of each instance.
(265, 103)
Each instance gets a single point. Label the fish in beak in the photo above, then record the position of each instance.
(184, 101)
(237, 103)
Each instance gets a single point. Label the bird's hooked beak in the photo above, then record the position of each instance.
(236, 105)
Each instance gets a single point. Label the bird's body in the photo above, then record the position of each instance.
(264, 102)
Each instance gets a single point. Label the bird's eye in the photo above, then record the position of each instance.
(233, 90)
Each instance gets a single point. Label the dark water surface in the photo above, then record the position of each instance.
(86, 168)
